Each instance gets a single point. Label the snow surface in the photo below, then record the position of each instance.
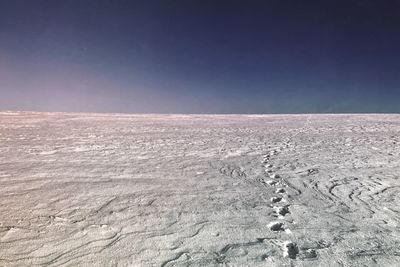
(192, 190)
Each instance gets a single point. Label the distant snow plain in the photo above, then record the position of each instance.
(199, 190)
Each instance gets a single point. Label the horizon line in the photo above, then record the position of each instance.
(196, 114)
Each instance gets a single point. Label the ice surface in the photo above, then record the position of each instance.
(190, 190)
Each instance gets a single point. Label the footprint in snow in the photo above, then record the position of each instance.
(290, 249)
(276, 226)
(282, 211)
(271, 182)
(276, 199)
(280, 191)
(274, 176)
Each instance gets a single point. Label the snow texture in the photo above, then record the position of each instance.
(191, 190)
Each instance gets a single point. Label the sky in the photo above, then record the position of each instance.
(168, 56)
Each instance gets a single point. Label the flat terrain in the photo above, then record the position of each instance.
(177, 190)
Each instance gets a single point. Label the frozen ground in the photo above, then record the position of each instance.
(166, 190)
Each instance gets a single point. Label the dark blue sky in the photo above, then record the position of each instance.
(272, 56)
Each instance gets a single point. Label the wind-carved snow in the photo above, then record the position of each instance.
(166, 190)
